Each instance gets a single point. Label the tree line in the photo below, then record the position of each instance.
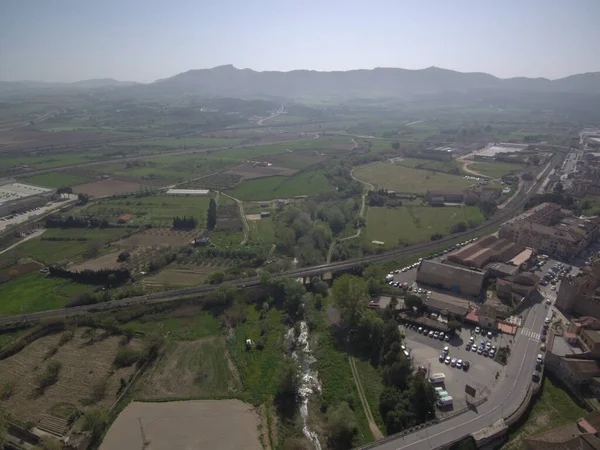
(108, 277)
(75, 222)
(184, 223)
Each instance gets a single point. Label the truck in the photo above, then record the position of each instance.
(446, 401)
(437, 378)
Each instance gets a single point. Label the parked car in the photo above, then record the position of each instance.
(540, 358)
(453, 362)
(466, 365)
(448, 360)
(459, 364)
(477, 330)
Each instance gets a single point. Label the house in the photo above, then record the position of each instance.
(125, 218)
(447, 196)
(579, 435)
(265, 214)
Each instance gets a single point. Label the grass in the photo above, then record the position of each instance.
(47, 162)
(554, 408)
(408, 180)
(157, 210)
(336, 376)
(496, 169)
(451, 166)
(258, 369)
(55, 180)
(91, 234)
(372, 385)
(411, 224)
(178, 328)
(262, 230)
(36, 292)
(180, 142)
(304, 183)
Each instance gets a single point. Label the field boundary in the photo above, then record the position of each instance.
(377, 434)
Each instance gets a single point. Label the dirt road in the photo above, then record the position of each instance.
(31, 236)
(372, 425)
(240, 204)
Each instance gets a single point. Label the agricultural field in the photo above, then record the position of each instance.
(225, 424)
(186, 323)
(204, 142)
(452, 166)
(86, 362)
(496, 169)
(215, 182)
(106, 188)
(249, 171)
(192, 369)
(157, 236)
(412, 224)
(156, 210)
(181, 276)
(304, 183)
(48, 162)
(37, 292)
(406, 180)
(262, 230)
(301, 159)
(55, 180)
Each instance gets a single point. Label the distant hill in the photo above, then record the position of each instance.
(228, 81)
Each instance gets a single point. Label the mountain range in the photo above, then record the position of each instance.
(228, 81)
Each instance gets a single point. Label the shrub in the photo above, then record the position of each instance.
(50, 375)
(125, 357)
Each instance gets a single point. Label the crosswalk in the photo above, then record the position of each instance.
(551, 296)
(530, 333)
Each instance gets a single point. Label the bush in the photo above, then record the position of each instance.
(123, 256)
(50, 375)
(94, 421)
(125, 357)
(99, 391)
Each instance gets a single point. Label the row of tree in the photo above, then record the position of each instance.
(184, 223)
(75, 222)
(108, 277)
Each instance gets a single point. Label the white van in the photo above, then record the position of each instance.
(437, 378)
(446, 401)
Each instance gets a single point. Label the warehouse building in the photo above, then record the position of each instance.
(18, 197)
(453, 278)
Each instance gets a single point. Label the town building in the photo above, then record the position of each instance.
(18, 197)
(453, 278)
(582, 434)
(579, 293)
(549, 229)
(517, 287)
(484, 251)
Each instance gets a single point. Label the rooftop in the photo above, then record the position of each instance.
(592, 335)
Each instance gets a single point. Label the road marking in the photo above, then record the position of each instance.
(530, 333)
(481, 415)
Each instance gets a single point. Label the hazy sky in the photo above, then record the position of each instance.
(143, 40)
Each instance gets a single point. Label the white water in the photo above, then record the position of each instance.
(309, 381)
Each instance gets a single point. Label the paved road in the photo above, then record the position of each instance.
(504, 400)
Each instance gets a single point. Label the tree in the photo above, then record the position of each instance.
(216, 277)
(94, 421)
(454, 326)
(413, 301)
(342, 426)
(350, 293)
(211, 218)
(123, 256)
(423, 398)
(286, 397)
(558, 188)
(396, 145)
(83, 198)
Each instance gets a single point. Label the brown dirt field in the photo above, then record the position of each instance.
(106, 188)
(82, 366)
(181, 276)
(248, 171)
(252, 216)
(108, 261)
(201, 368)
(17, 271)
(194, 424)
(158, 236)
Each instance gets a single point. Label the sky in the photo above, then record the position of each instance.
(145, 40)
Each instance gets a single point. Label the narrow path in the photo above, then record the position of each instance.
(240, 204)
(31, 236)
(377, 434)
(465, 167)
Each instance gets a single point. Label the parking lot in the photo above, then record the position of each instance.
(16, 219)
(481, 375)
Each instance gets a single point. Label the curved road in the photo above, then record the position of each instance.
(506, 398)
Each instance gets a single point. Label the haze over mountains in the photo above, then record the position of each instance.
(228, 81)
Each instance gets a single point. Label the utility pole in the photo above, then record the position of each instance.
(145, 442)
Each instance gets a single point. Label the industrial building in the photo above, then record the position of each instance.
(486, 250)
(456, 279)
(18, 197)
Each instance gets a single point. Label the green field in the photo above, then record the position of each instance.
(178, 328)
(554, 408)
(259, 370)
(55, 180)
(304, 183)
(496, 169)
(47, 162)
(411, 224)
(91, 234)
(157, 210)
(180, 142)
(262, 230)
(36, 292)
(372, 385)
(445, 166)
(406, 180)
